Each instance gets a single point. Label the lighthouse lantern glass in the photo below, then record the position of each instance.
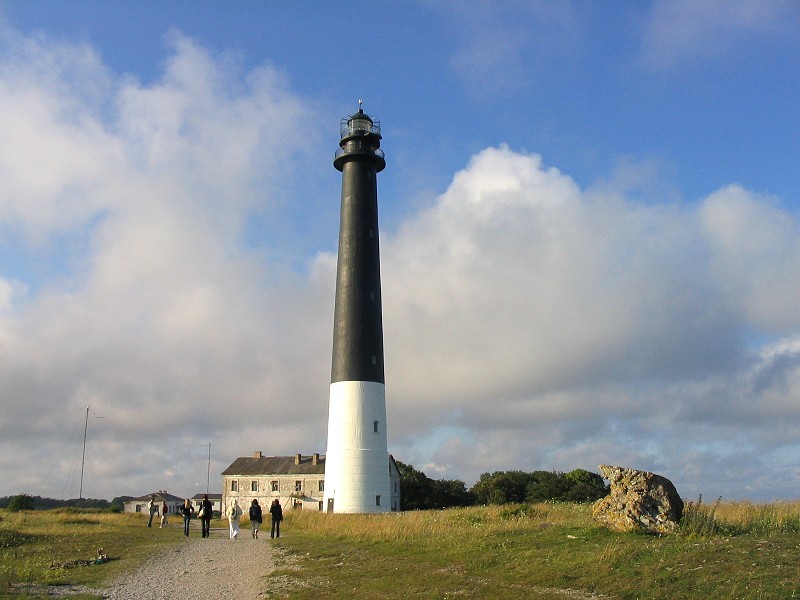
(360, 125)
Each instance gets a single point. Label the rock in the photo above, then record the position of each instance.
(639, 501)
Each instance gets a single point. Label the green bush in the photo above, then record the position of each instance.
(516, 487)
(21, 502)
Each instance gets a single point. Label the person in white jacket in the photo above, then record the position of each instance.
(234, 514)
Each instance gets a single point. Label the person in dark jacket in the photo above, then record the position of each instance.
(152, 508)
(186, 510)
(205, 512)
(255, 518)
(277, 516)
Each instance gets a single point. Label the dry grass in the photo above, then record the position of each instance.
(56, 547)
(736, 518)
(774, 517)
(419, 526)
(543, 551)
(725, 550)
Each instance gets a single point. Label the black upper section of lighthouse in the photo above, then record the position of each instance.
(357, 321)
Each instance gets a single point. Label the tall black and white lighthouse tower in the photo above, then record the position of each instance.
(357, 458)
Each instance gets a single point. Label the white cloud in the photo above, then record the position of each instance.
(557, 287)
(755, 247)
(162, 321)
(529, 323)
(556, 326)
(680, 31)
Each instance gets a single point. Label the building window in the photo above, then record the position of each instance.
(234, 485)
(378, 500)
(321, 485)
(275, 486)
(375, 426)
(298, 486)
(254, 485)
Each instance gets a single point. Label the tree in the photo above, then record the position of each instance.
(450, 492)
(502, 487)
(585, 486)
(420, 492)
(547, 485)
(414, 488)
(21, 502)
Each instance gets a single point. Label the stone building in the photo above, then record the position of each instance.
(298, 482)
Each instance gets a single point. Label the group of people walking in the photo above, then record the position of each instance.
(234, 514)
(256, 518)
(153, 509)
(204, 513)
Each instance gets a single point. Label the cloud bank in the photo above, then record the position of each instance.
(529, 323)
(552, 325)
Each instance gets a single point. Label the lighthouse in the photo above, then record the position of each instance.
(357, 458)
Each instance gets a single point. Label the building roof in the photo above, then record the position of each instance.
(160, 496)
(277, 465)
(211, 497)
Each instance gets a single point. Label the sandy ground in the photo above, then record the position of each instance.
(196, 567)
(192, 568)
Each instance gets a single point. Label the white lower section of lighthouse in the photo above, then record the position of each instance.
(357, 458)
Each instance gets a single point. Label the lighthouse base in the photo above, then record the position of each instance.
(357, 459)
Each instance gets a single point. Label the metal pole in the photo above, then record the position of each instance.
(208, 470)
(83, 458)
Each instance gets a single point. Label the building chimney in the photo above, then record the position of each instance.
(315, 458)
(257, 454)
(297, 458)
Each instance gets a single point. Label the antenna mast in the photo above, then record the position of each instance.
(208, 470)
(83, 458)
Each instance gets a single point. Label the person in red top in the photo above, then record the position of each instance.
(164, 511)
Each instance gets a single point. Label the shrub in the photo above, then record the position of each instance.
(21, 502)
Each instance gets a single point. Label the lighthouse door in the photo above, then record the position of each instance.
(330, 505)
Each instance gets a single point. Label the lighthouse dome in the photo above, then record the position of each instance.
(360, 123)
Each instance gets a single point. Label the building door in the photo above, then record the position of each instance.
(330, 505)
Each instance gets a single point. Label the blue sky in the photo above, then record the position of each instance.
(589, 231)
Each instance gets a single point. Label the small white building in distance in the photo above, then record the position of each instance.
(298, 482)
(215, 499)
(139, 505)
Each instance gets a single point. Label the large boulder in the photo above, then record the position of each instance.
(638, 501)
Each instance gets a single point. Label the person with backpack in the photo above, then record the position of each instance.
(277, 516)
(234, 514)
(255, 518)
(205, 513)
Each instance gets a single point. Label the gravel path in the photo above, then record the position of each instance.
(200, 568)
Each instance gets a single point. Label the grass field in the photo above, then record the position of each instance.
(42, 547)
(542, 551)
(545, 551)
